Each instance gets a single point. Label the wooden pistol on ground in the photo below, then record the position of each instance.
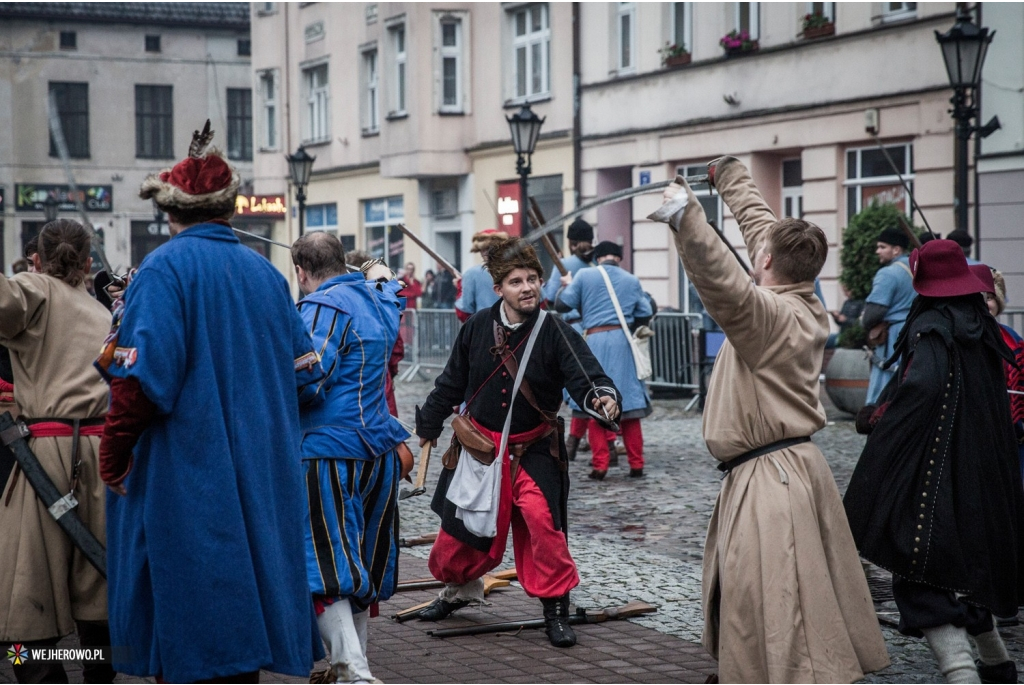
(491, 581)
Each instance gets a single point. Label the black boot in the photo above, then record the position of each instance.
(572, 445)
(440, 608)
(597, 475)
(95, 634)
(1005, 672)
(556, 621)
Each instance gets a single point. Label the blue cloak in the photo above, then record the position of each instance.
(205, 553)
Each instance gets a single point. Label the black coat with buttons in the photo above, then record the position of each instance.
(937, 497)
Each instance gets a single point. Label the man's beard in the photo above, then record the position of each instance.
(519, 307)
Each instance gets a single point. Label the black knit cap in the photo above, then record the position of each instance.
(895, 237)
(961, 238)
(607, 247)
(581, 231)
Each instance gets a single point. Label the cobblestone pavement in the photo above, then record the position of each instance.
(632, 540)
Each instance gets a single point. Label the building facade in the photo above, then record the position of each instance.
(403, 105)
(130, 82)
(793, 103)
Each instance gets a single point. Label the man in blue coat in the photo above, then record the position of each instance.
(588, 292)
(581, 248)
(476, 289)
(205, 557)
(349, 446)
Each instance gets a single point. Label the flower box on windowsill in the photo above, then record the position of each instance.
(677, 60)
(752, 46)
(819, 31)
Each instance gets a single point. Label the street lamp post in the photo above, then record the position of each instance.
(300, 166)
(525, 128)
(51, 209)
(963, 50)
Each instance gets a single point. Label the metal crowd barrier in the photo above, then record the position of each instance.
(429, 335)
(1014, 318)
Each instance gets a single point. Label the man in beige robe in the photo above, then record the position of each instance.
(785, 598)
(53, 331)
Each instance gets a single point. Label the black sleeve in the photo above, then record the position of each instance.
(576, 372)
(872, 316)
(6, 372)
(449, 389)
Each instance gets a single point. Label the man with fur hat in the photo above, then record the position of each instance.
(476, 291)
(592, 295)
(206, 563)
(887, 305)
(507, 368)
(936, 497)
(785, 597)
(581, 247)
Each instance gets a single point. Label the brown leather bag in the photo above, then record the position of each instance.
(473, 442)
(878, 335)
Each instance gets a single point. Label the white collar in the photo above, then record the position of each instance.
(504, 319)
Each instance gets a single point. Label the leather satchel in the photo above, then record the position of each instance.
(473, 442)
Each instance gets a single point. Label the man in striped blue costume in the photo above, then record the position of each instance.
(349, 446)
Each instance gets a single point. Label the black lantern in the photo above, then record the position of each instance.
(51, 208)
(963, 50)
(300, 167)
(525, 128)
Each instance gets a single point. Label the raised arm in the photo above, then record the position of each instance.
(734, 184)
(745, 312)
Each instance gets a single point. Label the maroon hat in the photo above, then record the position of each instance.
(940, 270)
(984, 274)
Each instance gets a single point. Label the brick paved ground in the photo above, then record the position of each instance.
(632, 540)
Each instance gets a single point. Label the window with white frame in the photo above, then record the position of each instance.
(399, 61)
(318, 110)
(870, 179)
(322, 217)
(531, 49)
(748, 18)
(825, 9)
(626, 32)
(451, 64)
(268, 106)
(713, 210)
(384, 239)
(371, 113)
(682, 25)
(896, 11)
(792, 188)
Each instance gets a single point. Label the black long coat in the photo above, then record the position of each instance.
(936, 497)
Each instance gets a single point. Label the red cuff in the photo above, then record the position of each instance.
(130, 414)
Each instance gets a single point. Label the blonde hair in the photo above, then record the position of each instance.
(1000, 293)
(798, 249)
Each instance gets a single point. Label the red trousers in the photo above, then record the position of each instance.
(543, 563)
(632, 436)
(580, 427)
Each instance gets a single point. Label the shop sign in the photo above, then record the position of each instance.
(265, 206)
(29, 197)
(890, 194)
(509, 215)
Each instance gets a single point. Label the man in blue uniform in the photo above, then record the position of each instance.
(888, 303)
(589, 293)
(581, 248)
(206, 568)
(349, 447)
(476, 289)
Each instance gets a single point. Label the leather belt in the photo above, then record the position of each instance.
(602, 329)
(726, 467)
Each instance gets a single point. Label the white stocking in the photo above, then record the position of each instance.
(953, 652)
(338, 630)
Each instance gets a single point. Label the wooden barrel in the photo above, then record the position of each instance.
(846, 379)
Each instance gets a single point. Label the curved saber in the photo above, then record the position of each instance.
(625, 194)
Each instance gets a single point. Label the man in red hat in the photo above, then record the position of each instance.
(207, 574)
(936, 497)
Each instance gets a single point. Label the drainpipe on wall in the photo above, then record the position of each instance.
(977, 153)
(577, 145)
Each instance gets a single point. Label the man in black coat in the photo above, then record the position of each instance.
(534, 484)
(936, 497)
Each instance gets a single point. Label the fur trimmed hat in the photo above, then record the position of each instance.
(485, 238)
(506, 255)
(201, 184)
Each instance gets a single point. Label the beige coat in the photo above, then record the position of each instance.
(785, 597)
(54, 333)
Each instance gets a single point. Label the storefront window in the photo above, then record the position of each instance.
(870, 177)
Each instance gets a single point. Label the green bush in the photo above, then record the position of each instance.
(857, 258)
(853, 338)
